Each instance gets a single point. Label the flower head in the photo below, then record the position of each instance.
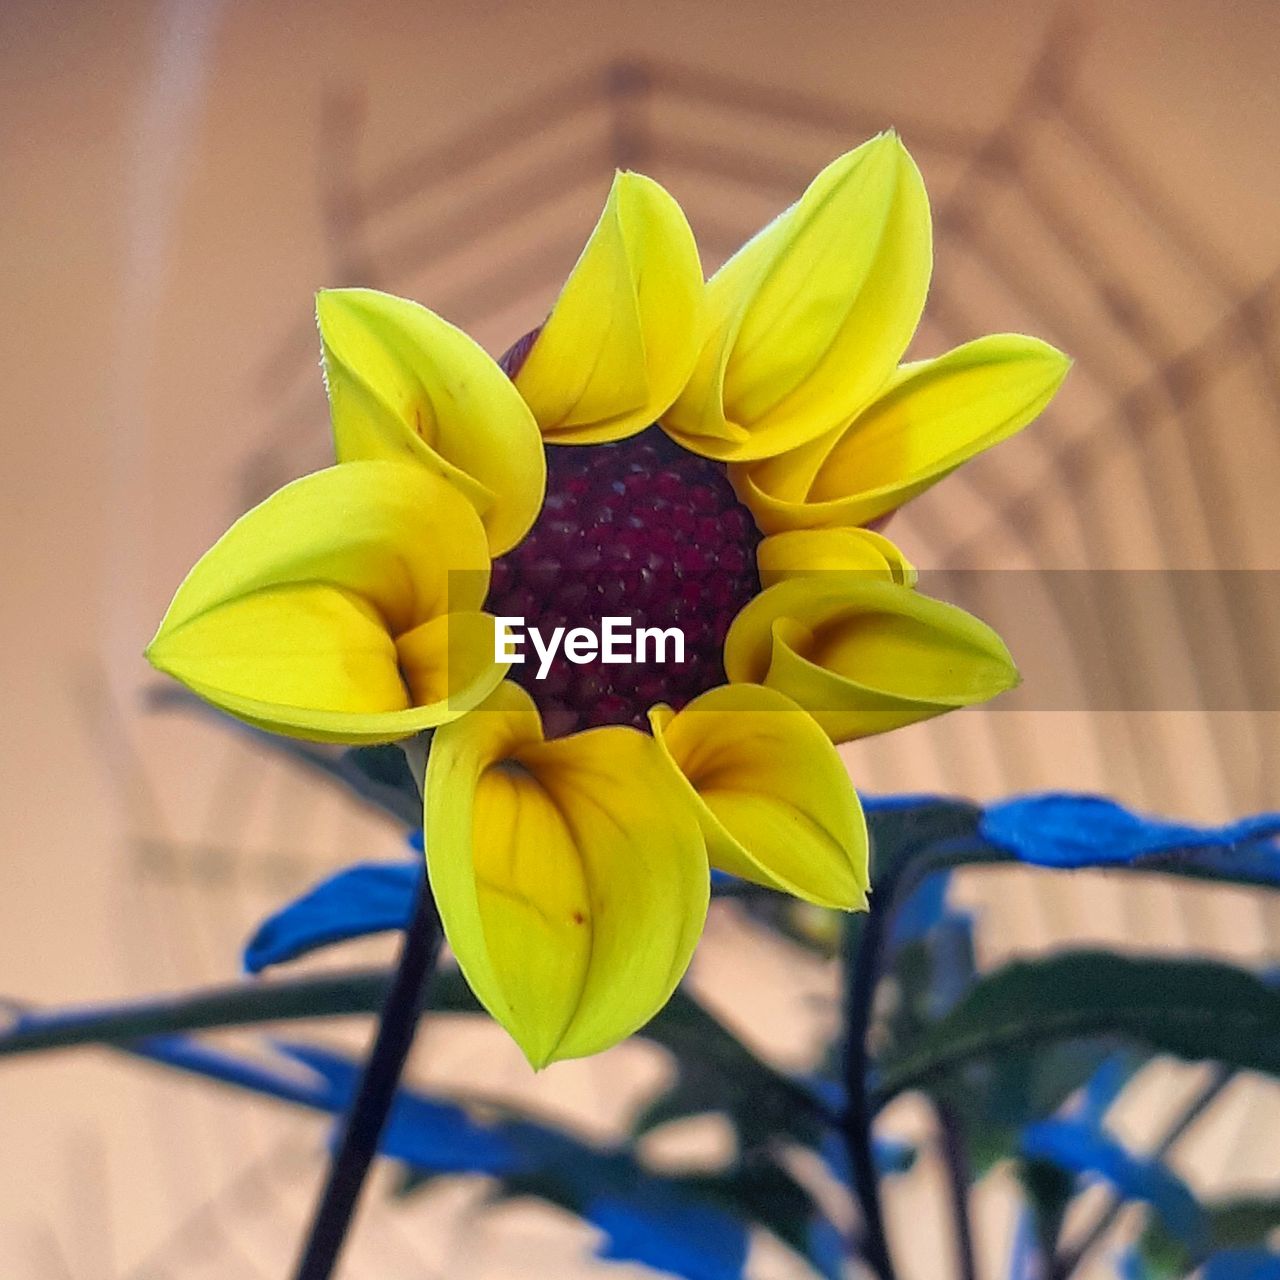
(700, 458)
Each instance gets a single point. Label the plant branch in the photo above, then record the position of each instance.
(237, 1005)
(955, 1154)
(372, 1104)
(1069, 1260)
(861, 972)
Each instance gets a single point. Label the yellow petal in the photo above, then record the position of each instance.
(809, 552)
(933, 416)
(863, 655)
(404, 383)
(448, 660)
(622, 338)
(311, 611)
(810, 318)
(774, 799)
(570, 875)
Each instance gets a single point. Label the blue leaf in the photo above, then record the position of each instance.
(668, 1233)
(1085, 1150)
(831, 1094)
(1106, 1085)
(828, 1249)
(1065, 830)
(187, 1054)
(1242, 1264)
(645, 1218)
(371, 897)
(921, 911)
(433, 1136)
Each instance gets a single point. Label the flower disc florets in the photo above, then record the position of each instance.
(640, 529)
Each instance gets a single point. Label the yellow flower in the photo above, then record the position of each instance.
(573, 803)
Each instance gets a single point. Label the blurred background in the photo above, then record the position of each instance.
(180, 177)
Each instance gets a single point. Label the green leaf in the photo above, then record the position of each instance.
(688, 1029)
(243, 1004)
(759, 1115)
(1195, 1009)
(1239, 1223)
(380, 775)
(1233, 1224)
(999, 1096)
(901, 831)
(761, 1191)
(240, 1005)
(716, 1072)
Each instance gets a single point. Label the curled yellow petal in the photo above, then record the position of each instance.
(809, 319)
(570, 874)
(807, 552)
(621, 339)
(403, 383)
(774, 799)
(933, 416)
(338, 610)
(863, 655)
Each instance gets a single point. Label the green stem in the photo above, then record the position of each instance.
(917, 1071)
(861, 973)
(955, 1154)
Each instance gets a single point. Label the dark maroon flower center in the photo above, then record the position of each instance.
(642, 530)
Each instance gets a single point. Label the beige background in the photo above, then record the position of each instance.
(175, 188)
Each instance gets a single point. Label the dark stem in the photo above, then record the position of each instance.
(861, 971)
(955, 1153)
(369, 1109)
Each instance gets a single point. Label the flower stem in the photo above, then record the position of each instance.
(959, 1179)
(861, 971)
(376, 1093)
